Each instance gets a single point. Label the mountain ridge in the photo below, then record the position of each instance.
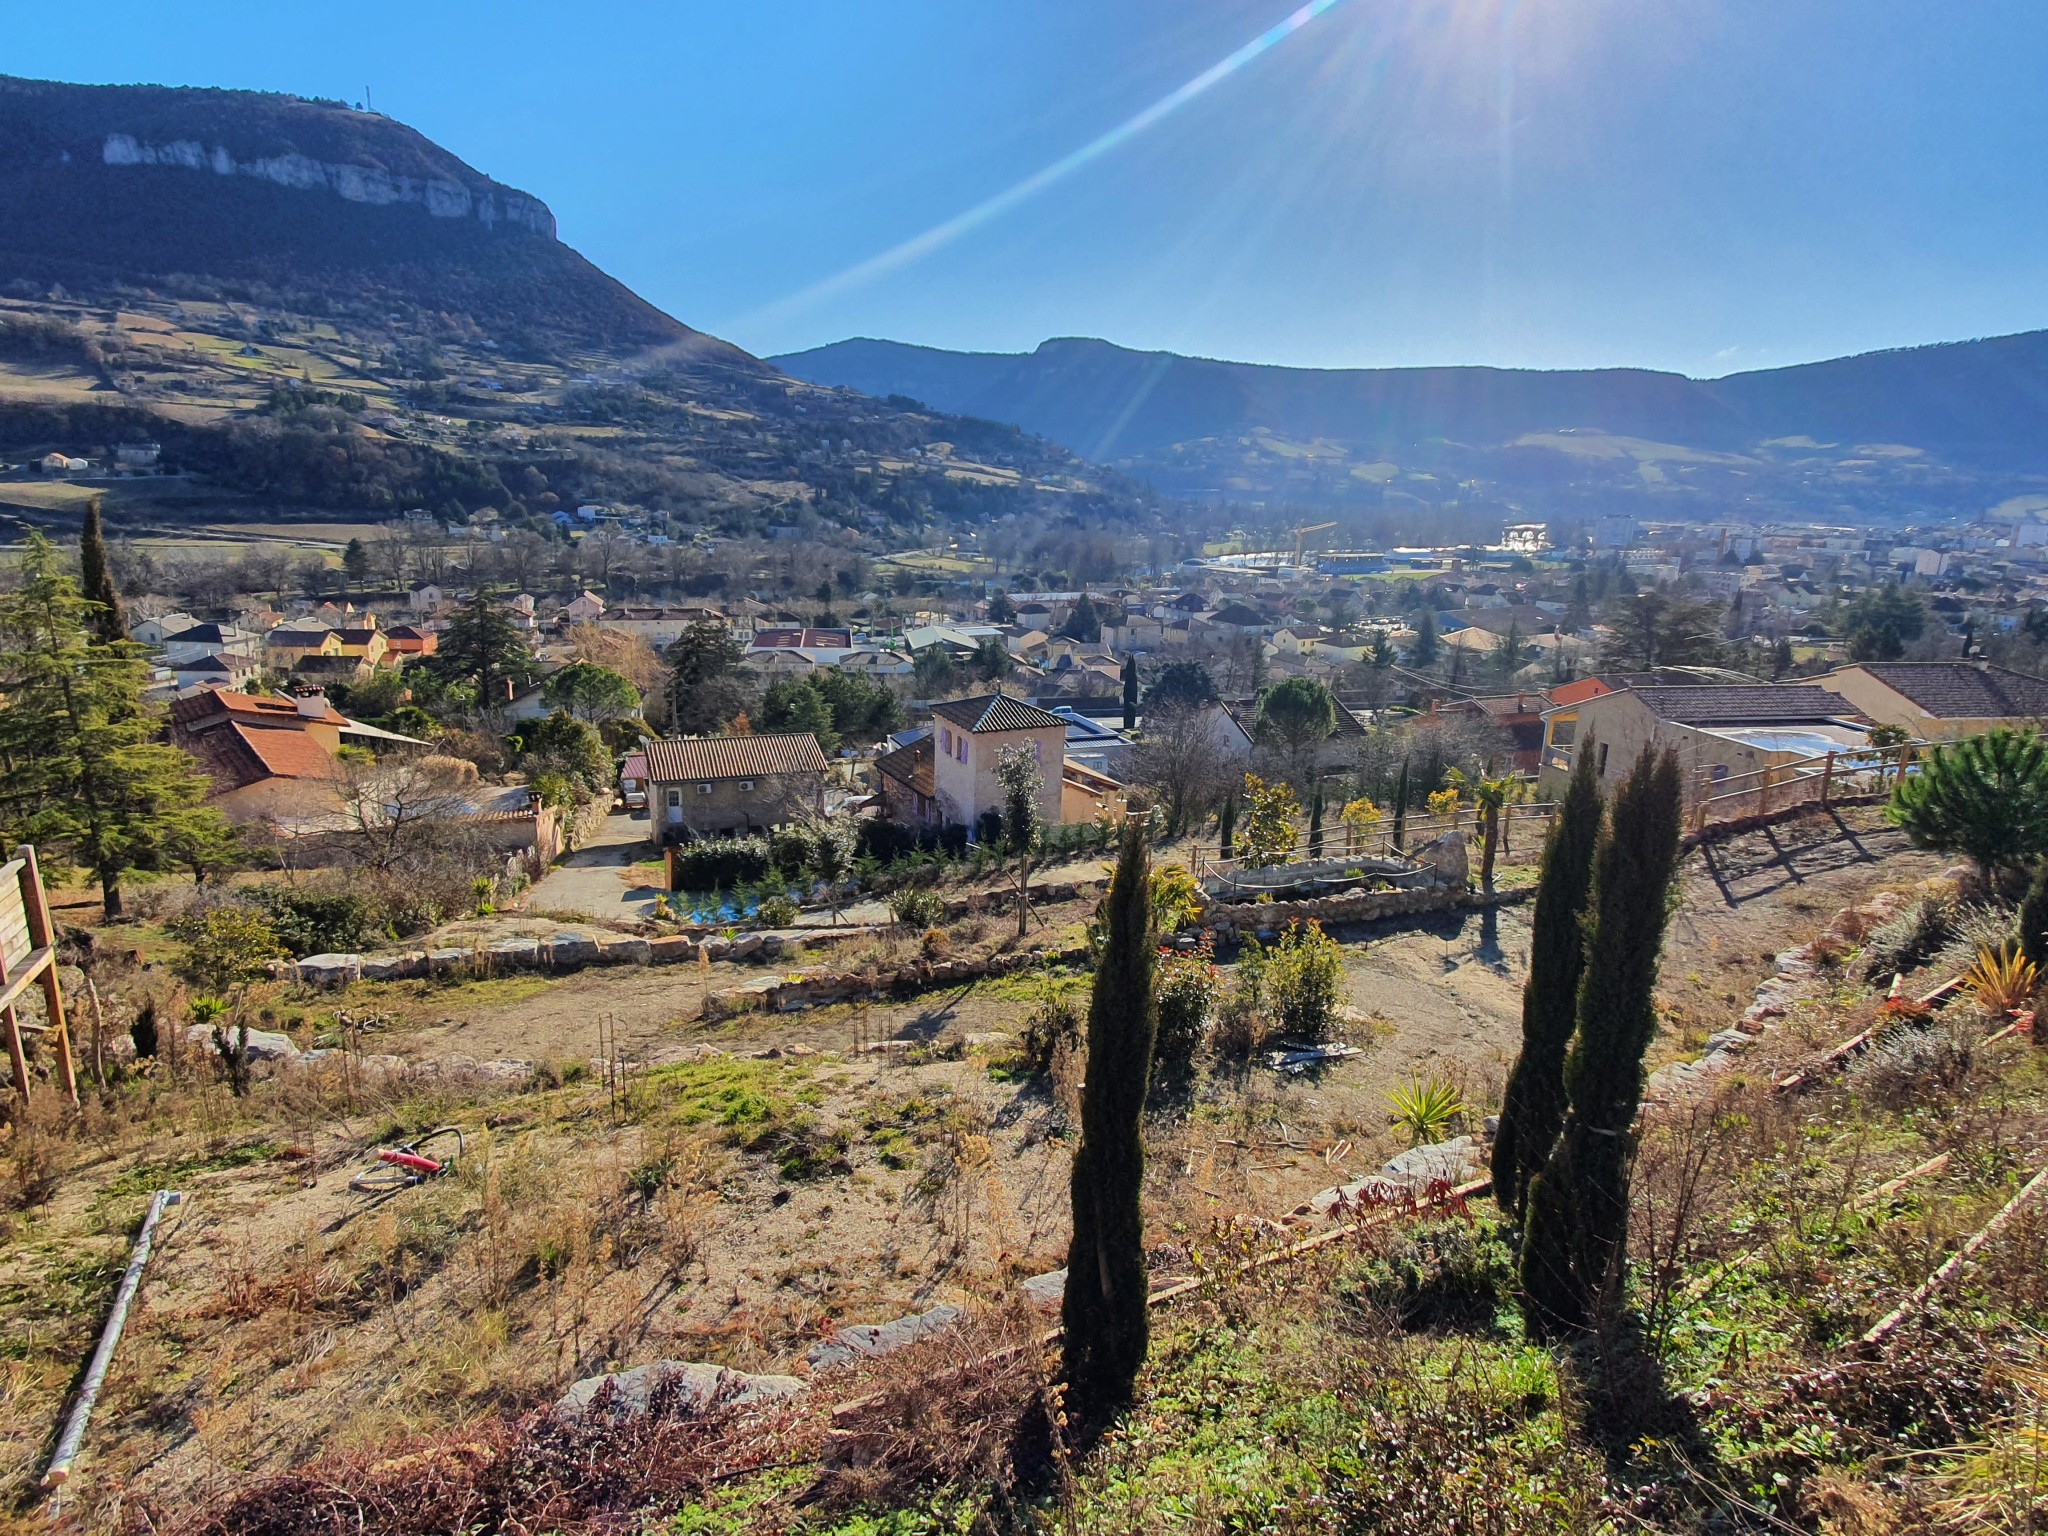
(191, 189)
(314, 307)
(1106, 396)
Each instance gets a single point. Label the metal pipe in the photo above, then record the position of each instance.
(110, 1336)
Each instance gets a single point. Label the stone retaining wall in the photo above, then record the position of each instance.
(563, 952)
(786, 994)
(1227, 920)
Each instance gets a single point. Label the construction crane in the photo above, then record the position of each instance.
(1302, 533)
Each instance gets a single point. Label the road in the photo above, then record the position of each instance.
(596, 880)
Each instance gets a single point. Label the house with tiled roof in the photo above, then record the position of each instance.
(970, 737)
(214, 671)
(906, 786)
(229, 640)
(725, 786)
(1942, 700)
(1717, 729)
(410, 640)
(289, 644)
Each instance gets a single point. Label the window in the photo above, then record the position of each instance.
(675, 797)
(946, 741)
(1601, 767)
(961, 745)
(1562, 732)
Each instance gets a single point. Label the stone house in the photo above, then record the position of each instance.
(718, 786)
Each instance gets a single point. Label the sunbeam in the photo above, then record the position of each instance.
(942, 234)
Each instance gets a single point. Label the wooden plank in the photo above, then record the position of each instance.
(44, 933)
(20, 979)
(16, 1057)
(1889, 1324)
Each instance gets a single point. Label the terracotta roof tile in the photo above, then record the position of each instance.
(286, 754)
(733, 757)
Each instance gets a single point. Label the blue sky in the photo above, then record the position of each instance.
(1703, 185)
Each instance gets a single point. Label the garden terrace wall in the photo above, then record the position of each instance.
(1226, 920)
(786, 994)
(563, 952)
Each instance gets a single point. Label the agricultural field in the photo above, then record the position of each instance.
(645, 1179)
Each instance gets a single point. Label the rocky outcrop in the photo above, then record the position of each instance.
(371, 184)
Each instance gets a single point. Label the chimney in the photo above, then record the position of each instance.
(313, 704)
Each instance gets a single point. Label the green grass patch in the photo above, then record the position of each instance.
(761, 1107)
(147, 1178)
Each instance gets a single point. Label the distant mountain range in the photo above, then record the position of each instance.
(1936, 428)
(317, 308)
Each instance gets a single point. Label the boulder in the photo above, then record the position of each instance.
(393, 967)
(1047, 1292)
(746, 947)
(568, 951)
(1442, 1162)
(330, 970)
(264, 1044)
(670, 948)
(879, 1338)
(446, 962)
(679, 1388)
(1451, 860)
(513, 955)
(625, 951)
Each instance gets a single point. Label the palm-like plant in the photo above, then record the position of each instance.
(2001, 980)
(1426, 1109)
(1491, 794)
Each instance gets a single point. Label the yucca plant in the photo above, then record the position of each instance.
(1426, 1109)
(2002, 980)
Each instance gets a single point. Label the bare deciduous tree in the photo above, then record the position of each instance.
(408, 812)
(1181, 760)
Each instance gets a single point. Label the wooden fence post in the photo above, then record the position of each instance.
(42, 934)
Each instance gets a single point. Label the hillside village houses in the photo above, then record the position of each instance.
(1251, 625)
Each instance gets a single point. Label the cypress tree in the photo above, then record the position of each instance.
(1577, 1215)
(1315, 824)
(1104, 1307)
(1226, 824)
(1130, 693)
(1532, 1109)
(1401, 807)
(96, 580)
(2033, 920)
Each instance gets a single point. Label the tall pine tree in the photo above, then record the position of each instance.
(1532, 1109)
(96, 579)
(81, 774)
(1577, 1212)
(483, 647)
(1104, 1307)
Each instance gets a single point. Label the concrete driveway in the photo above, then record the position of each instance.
(597, 880)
